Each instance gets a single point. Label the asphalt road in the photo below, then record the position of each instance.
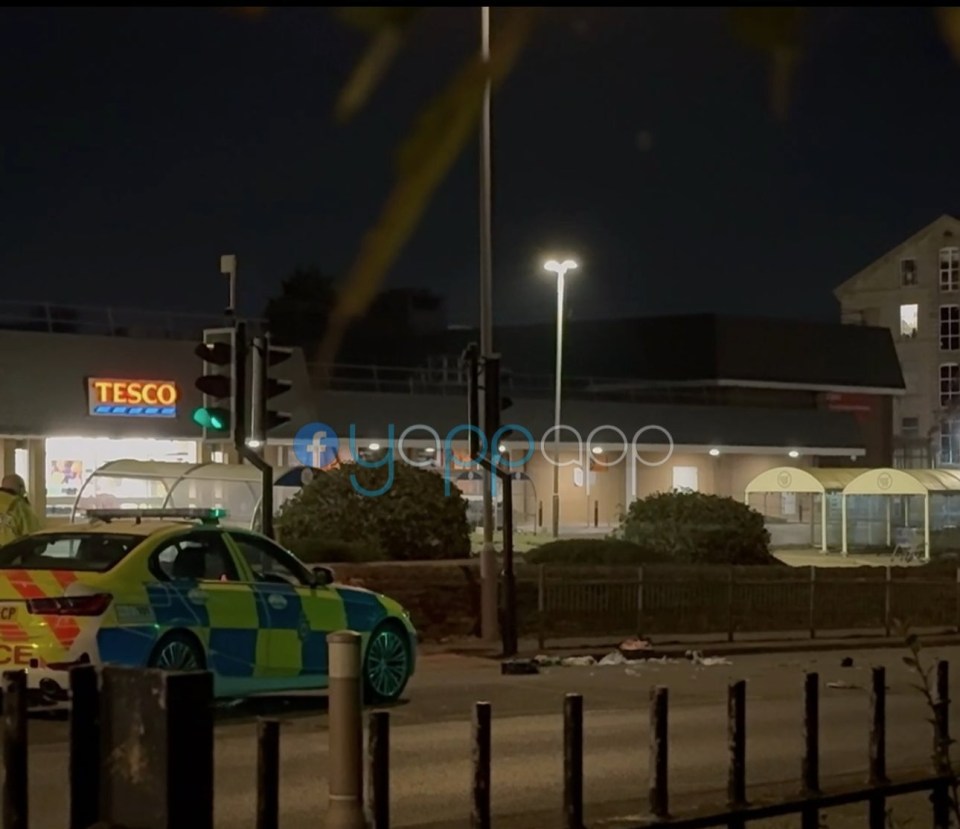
(431, 739)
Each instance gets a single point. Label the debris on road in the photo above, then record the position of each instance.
(635, 644)
(697, 658)
(845, 686)
(519, 667)
(578, 661)
(613, 658)
(846, 662)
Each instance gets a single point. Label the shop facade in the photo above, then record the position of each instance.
(69, 404)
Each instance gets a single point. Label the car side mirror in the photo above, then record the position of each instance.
(323, 576)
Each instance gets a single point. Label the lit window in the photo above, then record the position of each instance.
(908, 271)
(950, 327)
(949, 269)
(949, 384)
(909, 320)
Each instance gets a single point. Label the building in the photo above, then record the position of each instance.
(704, 403)
(717, 399)
(914, 292)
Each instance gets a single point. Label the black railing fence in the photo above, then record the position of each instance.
(141, 755)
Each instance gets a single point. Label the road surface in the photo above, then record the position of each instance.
(431, 739)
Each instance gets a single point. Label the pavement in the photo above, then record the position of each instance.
(430, 739)
(678, 645)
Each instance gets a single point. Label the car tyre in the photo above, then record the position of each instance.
(178, 651)
(386, 664)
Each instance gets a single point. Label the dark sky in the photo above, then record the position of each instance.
(138, 145)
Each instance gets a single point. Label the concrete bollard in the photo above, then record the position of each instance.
(345, 762)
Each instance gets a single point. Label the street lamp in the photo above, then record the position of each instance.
(560, 269)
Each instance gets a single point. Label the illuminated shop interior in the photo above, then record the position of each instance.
(70, 461)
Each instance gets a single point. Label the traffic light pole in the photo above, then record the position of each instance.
(492, 402)
(260, 368)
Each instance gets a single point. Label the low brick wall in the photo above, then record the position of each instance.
(443, 599)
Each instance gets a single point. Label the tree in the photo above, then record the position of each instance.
(299, 315)
(413, 520)
(693, 528)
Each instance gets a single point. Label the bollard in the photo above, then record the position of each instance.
(346, 732)
(378, 757)
(84, 747)
(877, 809)
(659, 793)
(15, 788)
(573, 761)
(157, 748)
(810, 764)
(480, 813)
(268, 774)
(737, 743)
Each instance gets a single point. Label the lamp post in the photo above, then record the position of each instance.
(560, 269)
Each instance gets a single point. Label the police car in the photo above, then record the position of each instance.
(175, 590)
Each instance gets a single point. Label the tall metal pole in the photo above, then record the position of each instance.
(556, 409)
(488, 554)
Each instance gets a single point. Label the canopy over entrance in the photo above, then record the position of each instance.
(235, 488)
(814, 481)
(899, 483)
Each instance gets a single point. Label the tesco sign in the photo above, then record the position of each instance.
(132, 398)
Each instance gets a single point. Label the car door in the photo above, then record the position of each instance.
(199, 588)
(297, 613)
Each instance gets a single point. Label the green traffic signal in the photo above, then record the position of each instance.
(216, 420)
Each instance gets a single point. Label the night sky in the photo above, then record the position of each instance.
(140, 144)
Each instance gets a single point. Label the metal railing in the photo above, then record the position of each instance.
(448, 377)
(112, 322)
(123, 773)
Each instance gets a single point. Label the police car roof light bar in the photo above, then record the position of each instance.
(204, 514)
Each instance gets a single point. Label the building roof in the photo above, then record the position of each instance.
(944, 224)
(687, 425)
(702, 349)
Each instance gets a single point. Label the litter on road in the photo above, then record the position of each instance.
(618, 658)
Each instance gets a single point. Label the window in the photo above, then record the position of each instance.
(909, 320)
(908, 272)
(910, 427)
(949, 269)
(68, 551)
(269, 562)
(198, 557)
(949, 384)
(949, 441)
(949, 327)
(685, 478)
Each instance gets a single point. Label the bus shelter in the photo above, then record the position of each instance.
(822, 485)
(235, 488)
(936, 489)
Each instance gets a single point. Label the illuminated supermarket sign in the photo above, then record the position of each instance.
(132, 398)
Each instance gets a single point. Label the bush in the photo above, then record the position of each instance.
(323, 551)
(594, 551)
(414, 520)
(693, 528)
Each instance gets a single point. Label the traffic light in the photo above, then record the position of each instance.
(267, 356)
(494, 402)
(224, 358)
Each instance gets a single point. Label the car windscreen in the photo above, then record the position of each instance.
(96, 552)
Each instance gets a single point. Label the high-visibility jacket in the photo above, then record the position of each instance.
(16, 517)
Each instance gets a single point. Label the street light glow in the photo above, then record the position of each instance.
(559, 268)
(794, 453)
(374, 447)
(714, 452)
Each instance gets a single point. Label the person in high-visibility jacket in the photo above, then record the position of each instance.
(17, 517)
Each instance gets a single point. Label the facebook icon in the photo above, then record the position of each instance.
(316, 445)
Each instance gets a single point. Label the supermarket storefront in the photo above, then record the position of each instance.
(70, 404)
